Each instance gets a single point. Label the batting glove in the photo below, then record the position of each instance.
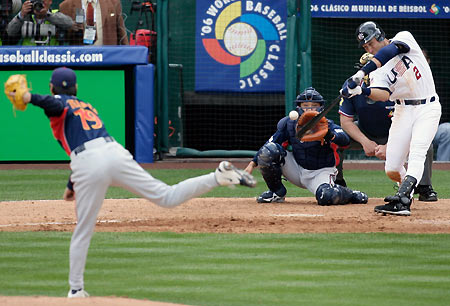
(350, 93)
(355, 91)
(356, 79)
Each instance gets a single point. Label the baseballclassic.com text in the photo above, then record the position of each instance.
(41, 57)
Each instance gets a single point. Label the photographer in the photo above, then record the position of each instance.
(36, 24)
(8, 9)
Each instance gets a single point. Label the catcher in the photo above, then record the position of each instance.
(311, 163)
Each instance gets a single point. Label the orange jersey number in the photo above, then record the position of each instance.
(88, 118)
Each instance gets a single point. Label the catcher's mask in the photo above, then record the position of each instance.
(309, 95)
(367, 31)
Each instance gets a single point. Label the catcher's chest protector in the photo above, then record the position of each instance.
(310, 155)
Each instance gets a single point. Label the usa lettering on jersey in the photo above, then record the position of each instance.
(401, 67)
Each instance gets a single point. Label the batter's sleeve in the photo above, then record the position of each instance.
(346, 107)
(342, 139)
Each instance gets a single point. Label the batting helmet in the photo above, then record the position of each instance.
(309, 95)
(367, 31)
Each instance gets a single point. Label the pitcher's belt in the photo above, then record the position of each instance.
(92, 143)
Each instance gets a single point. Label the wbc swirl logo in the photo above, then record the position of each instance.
(248, 39)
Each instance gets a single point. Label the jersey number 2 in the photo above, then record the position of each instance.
(417, 72)
(89, 119)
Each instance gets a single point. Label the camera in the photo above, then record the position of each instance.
(38, 5)
(38, 31)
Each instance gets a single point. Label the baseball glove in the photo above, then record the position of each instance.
(16, 84)
(318, 132)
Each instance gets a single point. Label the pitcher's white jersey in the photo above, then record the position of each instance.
(407, 75)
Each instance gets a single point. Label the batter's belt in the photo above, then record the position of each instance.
(92, 143)
(415, 102)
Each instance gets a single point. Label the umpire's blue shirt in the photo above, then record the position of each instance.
(374, 119)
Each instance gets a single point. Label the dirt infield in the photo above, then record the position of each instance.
(225, 215)
(60, 301)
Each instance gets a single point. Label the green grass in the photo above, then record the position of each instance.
(50, 184)
(232, 269)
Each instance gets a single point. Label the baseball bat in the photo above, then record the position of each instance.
(316, 119)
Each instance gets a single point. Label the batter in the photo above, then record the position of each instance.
(97, 161)
(370, 132)
(399, 72)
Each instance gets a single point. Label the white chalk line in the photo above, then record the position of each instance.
(68, 223)
(433, 222)
(296, 215)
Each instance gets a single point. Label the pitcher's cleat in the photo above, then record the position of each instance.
(227, 174)
(80, 293)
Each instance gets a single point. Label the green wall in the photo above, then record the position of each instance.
(28, 135)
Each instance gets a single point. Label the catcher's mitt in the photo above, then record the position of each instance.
(318, 132)
(16, 84)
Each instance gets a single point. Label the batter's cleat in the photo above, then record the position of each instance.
(426, 193)
(396, 206)
(80, 293)
(359, 197)
(227, 174)
(270, 197)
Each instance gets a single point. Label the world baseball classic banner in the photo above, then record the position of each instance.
(430, 9)
(240, 45)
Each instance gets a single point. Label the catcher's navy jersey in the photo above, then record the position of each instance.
(374, 119)
(310, 155)
(73, 121)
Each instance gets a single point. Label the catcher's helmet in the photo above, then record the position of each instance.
(309, 95)
(367, 31)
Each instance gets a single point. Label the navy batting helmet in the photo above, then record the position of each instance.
(309, 95)
(367, 31)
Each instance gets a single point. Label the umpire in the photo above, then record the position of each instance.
(370, 133)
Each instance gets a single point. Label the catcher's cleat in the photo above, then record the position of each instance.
(227, 174)
(359, 197)
(80, 293)
(426, 193)
(396, 206)
(270, 197)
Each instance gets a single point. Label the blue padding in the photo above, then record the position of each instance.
(73, 55)
(143, 127)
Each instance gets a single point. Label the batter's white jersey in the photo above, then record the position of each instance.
(407, 75)
(417, 110)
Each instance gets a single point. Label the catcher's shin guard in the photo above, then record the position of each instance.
(327, 194)
(272, 177)
(271, 154)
